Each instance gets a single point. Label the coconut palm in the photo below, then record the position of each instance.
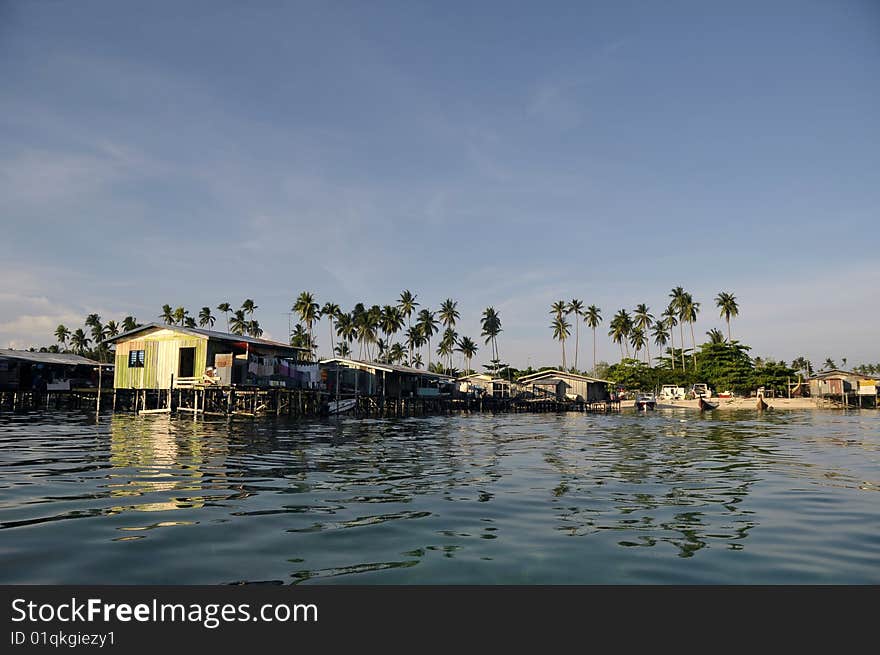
(677, 303)
(390, 321)
(671, 320)
(468, 350)
(621, 327)
(254, 329)
(726, 302)
(225, 307)
(129, 323)
(238, 325)
(593, 318)
(491, 328)
(179, 315)
(300, 338)
(308, 311)
(248, 306)
(829, 364)
(189, 322)
(62, 334)
(637, 339)
(167, 315)
(92, 320)
(416, 361)
(396, 353)
(205, 318)
(576, 307)
(342, 350)
(661, 337)
(561, 332)
(94, 323)
(643, 319)
(448, 313)
(345, 330)
(414, 340)
(446, 348)
(690, 311)
(79, 341)
(331, 311)
(715, 336)
(407, 303)
(111, 329)
(428, 323)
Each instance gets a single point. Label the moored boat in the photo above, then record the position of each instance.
(645, 401)
(705, 405)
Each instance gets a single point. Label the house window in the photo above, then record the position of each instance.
(135, 359)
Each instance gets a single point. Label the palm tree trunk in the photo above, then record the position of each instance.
(681, 334)
(594, 351)
(694, 345)
(672, 347)
(577, 340)
(728, 330)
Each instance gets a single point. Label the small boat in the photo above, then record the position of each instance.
(341, 406)
(646, 401)
(762, 405)
(705, 405)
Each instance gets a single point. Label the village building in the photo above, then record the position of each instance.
(346, 377)
(562, 386)
(24, 370)
(843, 385)
(156, 356)
(484, 385)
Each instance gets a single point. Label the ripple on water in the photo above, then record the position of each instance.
(628, 498)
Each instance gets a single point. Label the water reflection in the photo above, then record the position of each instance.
(669, 496)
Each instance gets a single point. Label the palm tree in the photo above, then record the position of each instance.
(715, 336)
(396, 353)
(445, 349)
(468, 350)
(308, 311)
(129, 323)
(576, 307)
(414, 340)
(179, 315)
(621, 327)
(345, 330)
(416, 361)
(205, 317)
(111, 329)
(427, 323)
(448, 316)
(676, 303)
(637, 339)
(407, 303)
(390, 321)
(342, 350)
(671, 320)
(189, 321)
(167, 314)
(593, 317)
(254, 329)
(79, 341)
(62, 334)
(726, 302)
(300, 338)
(372, 320)
(561, 332)
(225, 307)
(829, 364)
(248, 306)
(644, 320)
(661, 337)
(491, 324)
(691, 309)
(92, 320)
(331, 311)
(239, 324)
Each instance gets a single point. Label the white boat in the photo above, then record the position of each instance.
(672, 392)
(341, 406)
(646, 401)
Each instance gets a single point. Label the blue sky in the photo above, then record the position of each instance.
(505, 154)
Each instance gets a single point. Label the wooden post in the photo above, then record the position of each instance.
(98, 399)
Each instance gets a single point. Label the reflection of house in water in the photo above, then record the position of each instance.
(164, 356)
(23, 370)
(154, 460)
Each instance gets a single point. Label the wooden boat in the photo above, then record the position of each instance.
(762, 405)
(705, 405)
(341, 406)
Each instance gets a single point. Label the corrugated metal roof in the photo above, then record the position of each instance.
(66, 359)
(211, 334)
(386, 367)
(561, 374)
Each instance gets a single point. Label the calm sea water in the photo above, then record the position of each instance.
(669, 497)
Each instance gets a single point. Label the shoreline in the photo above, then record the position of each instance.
(749, 403)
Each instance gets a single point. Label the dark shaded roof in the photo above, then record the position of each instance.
(66, 359)
(357, 363)
(837, 371)
(211, 334)
(559, 374)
